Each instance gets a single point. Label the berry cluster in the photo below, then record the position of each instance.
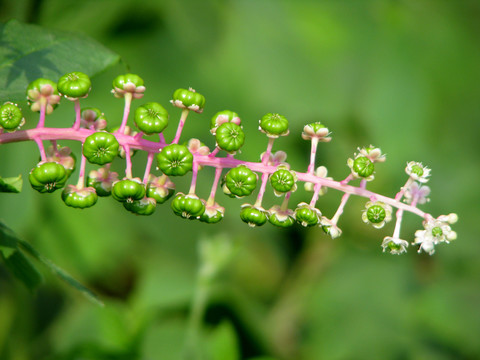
(141, 195)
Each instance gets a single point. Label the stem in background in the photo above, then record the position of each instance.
(128, 159)
(148, 167)
(81, 175)
(211, 198)
(313, 153)
(76, 124)
(126, 111)
(181, 124)
(340, 209)
(194, 178)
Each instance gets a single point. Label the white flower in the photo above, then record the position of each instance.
(394, 245)
(277, 158)
(377, 213)
(321, 172)
(418, 192)
(436, 231)
(417, 171)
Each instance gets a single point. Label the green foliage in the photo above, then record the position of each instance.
(29, 52)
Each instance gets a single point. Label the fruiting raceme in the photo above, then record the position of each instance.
(240, 178)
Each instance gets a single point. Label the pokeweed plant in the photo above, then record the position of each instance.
(140, 194)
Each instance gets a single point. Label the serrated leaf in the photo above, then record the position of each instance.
(28, 52)
(22, 269)
(11, 185)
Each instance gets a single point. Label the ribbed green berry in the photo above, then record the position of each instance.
(121, 81)
(230, 137)
(241, 181)
(74, 85)
(100, 148)
(79, 198)
(253, 216)
(376, 214)
(211, 218)
(188, 99)
(102, 181)
(282, 181)
(188, 206)
(363, 166)
(43, 92)
(11, 116)
(283, 222)
(151, 118)
(160, 194)
(128, 190)
(274, 125)
(175, 160)
(145, 206)
(306, 215)
(48, 177)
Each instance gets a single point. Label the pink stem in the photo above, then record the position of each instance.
(128, 158)
(262, 190)
(194, 178)
(313, 153)
(126, 111)
(211, 198)
(284, 205)
(399, 195)
(340, 209)
(78, 118)
(161, 138)
(41, 148)
(181, 124)
(41, 120)
(214, 152)
(81, 175)
(266, 156)
(347, 180)
(148, 167)
(316, 191)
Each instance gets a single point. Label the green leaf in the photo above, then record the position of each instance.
(11, 185)
(62, 274)
(28, 52)
(22, 269)
(222, 343)
(11, 250)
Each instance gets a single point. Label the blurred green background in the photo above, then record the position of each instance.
(403, 75)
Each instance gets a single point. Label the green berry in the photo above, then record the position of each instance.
(123, 82)
(128, 190)
(175, 160)
(281, 218)
(307, 215)
(274, 125)
(282, 181)
(102, 181)
(79, 198)
(376, 214)
(253, 215)
(188, 206)
(188, 99)
(74, 85)
(11, 116)
(145, 206)
(212, 214)
(151, 118)
(241, 181)
(363, 166)
(160, 188)
(48, 177)
(100, 148)
(230, 137)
